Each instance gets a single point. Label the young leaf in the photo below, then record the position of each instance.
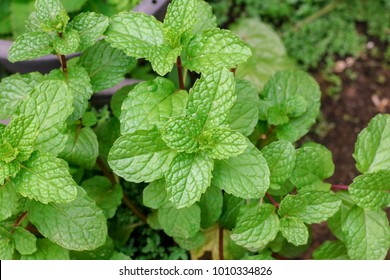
(14, 89)
(8, 200)
(46, 179)
(204, 17)
(367, 234)
(8, 170)
(150, 104)
(182, 134)
(67, 43)
(180, 223)
(294, 230)
(244, 114)
(211, 98)
(162, 58)
(371, 190)
(211, 206)
(106, 196)
(331, 250)
(372, 145)
(52, 15)
(30, 45)
(47, 250)
(7, 152)
(256, 226)
(90, 27)
(78, 225)
(141, 156)
(106, 66)
(25, 241)
(245, 176)
(155, 195)
(215, 48)
(81, 149)
(188, 177)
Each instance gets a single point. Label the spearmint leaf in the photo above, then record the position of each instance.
(294, 230)
(211, 206)
(25, 241)
(78, 225)
(8, 200)
(107, 132)
(372, 145)
(67, 43)
(215, 48)
(21, 133)
(90, 26)
(205, 18)
(52, 15)
(82, 147)
(367, 234)
(192, 243)
(180, 223)
(151, 104)
(223, 143)
(331, 250)
(30, 45)
(51, 103)
(14, 89)
(46, 179)
(73, 5)
(7, 153)
(278, 93)
(211, 98)
(188, 177)
(182, 134)
(256, 226)
(118, 98)
(8, 170)
(313, 163)
(371, 190)
(292, 205)
(106, 196)
(245, 176)
(47, 250)
(141, 156)
(245, 113)
(106, 66)
(230, 210)
(163, 57)
(6, 245)
(103, 252)
(155, 195)
(280, 157)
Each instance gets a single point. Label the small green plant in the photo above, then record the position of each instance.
(216, 160)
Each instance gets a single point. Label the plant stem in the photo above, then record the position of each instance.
(339, 187)
(104, 168)
(19, 221)
(233, 70)
(62, 59)
(180, 72)
(133, 208)
(272, 200)
(220, 243)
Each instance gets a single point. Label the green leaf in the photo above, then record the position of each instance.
(103, 252)
(29, 46)
(47, 250)
(52, 15)
(292, 205)
(118, 98)
(223, 143)
(188, 177)
(151, 104)
(107, 197)
(6, 245)
(51, 103)
(78, 225)
(8, 170)
(245, 113)
(256, 226)
(155, 195)
(294, 230)
(371, 190)
(21, 134)
(182, 134)
(141, 156)
(245, 176)
(67, 43)
(367, 234)
(7, 153)
(46, 179)
(180, 223)
(82, 148)
(204, 17)
(211, 98)
(211, 206)
(215, 48)
(162, 58)
(268, 52)
(277, 96)
(191, 243)
(106, 66)
(73, 5)
(230, 210)
(280, 157)
(8, 200)
(313, 163)
(372, 145)
(107, 131)
(25, 241)
(90, 26)
(331, 250)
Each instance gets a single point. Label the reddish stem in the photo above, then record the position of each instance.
(272, 200)
(233, 70)
(339, 187)
(180, 72)
(19, 221)
(220, 243)
(103, 167)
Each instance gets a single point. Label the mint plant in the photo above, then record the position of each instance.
(215, 160)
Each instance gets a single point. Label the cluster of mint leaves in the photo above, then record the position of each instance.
(219, 158)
